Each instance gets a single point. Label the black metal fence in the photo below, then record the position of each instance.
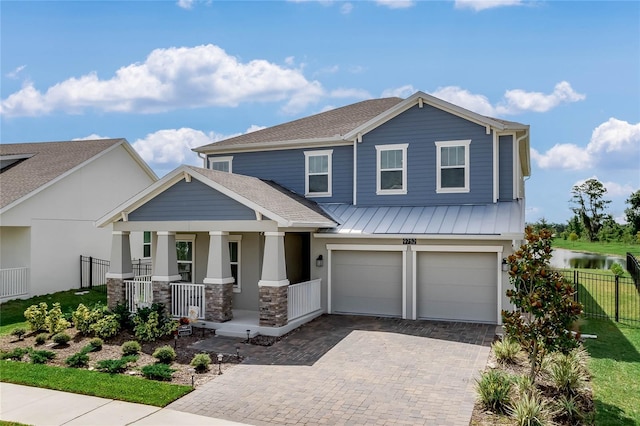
(92, 273)
(633, 266)
(141, 267)
(606, 296)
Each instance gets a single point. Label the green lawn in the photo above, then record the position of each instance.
(12, 312)
(615, 366)
(613, 248)
(111, 386)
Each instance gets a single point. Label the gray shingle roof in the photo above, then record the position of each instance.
(501, 218)
(48, 161)
(327, 124)
(270, 196)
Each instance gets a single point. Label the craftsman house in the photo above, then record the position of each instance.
(388, 207)
(50, 195)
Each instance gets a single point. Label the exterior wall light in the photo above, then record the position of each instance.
(219, 364)
(505, 265)
(319, 261)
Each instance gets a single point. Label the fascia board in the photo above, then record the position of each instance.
(474, 237)
(142, 197)
(273, 145)
(138, 159)
(60, 177)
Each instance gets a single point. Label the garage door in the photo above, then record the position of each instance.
(366, 283)
(457, 286)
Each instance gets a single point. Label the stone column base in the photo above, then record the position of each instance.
(162, 294)
(115, 292)
(219, 302)
(273, 306)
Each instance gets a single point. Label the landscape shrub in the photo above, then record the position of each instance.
(19, 332)
(506, 350)
(41, 357)
(55, 321)
(568, 410)
(112, 366)
(165, 354)
(16, 354)
(201, 362)
(617, 270)
(96, 344)
(81, 318)
(566, 374)
(130, 358)
(106, 327)
(494, 388)
(36, 316)
(78, 360)
(131, 348)
(41, 338)
(529, 410)
(61, 338)
(124, 316)
(153, 323)
(160, 372)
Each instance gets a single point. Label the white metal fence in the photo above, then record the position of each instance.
(138, 292)
(303, 298)
(14, 282)
(185, 297)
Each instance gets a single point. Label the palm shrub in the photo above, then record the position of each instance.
(200, 362)
(494, 388)
(130, 348)
(160, 372)
(529, 410)
(165, 354)
(506, 350)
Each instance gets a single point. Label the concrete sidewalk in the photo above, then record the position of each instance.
(37, 406)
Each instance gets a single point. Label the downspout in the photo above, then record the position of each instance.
(355, 167)
(204, 159)
(525, 178)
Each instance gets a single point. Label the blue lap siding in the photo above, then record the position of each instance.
(191, 201)
(506, 167)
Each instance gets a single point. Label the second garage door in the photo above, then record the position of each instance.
(366, 283)
(457, 286)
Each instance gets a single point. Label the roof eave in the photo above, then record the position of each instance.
(260, 146)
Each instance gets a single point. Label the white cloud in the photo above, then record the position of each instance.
(346, 8)
(479, 5)
(255, 128)
(184, 77)
(290, 60)
(186, 4)
(615, 189)
(14, 74)
(396, 4)
(92, 136)
(514, 101)
(400, 92)
(356, 69)
(614, 144)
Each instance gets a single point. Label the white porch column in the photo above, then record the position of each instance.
(219, 281)
(273, 283)
(165, 268)
(120, 268)
(165, 264)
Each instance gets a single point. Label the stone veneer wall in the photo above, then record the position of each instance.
(219, 302)
(162, 294)
(273, 306)
(115, 292)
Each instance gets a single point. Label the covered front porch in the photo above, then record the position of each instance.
(232, 253)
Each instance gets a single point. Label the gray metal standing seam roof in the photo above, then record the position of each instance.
(501, 218)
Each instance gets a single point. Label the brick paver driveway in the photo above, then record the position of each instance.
(350, 370)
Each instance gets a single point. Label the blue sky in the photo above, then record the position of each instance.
(169, 76)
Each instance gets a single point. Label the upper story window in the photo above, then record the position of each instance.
(318, 173)
(222, 164)
(452, 166)
(391, 173)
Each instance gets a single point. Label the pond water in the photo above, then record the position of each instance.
(572, 259)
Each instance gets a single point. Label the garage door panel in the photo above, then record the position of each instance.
(368, 283)
(457, 286)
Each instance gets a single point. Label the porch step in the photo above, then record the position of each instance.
(230, 332)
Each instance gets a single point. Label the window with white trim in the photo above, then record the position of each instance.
(185, 252)
(452, 166)
(222, 164)
(317, 171)
(234, 258)
(391, 169)
(146, 244)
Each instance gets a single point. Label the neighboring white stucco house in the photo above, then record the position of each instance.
(50, 195)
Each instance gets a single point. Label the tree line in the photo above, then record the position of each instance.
(591, 221)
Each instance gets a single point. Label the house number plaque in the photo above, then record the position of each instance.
(408, 241)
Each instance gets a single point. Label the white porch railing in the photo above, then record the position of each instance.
(184, 297)
(138, 292)
(14, 282)
(303, 298)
